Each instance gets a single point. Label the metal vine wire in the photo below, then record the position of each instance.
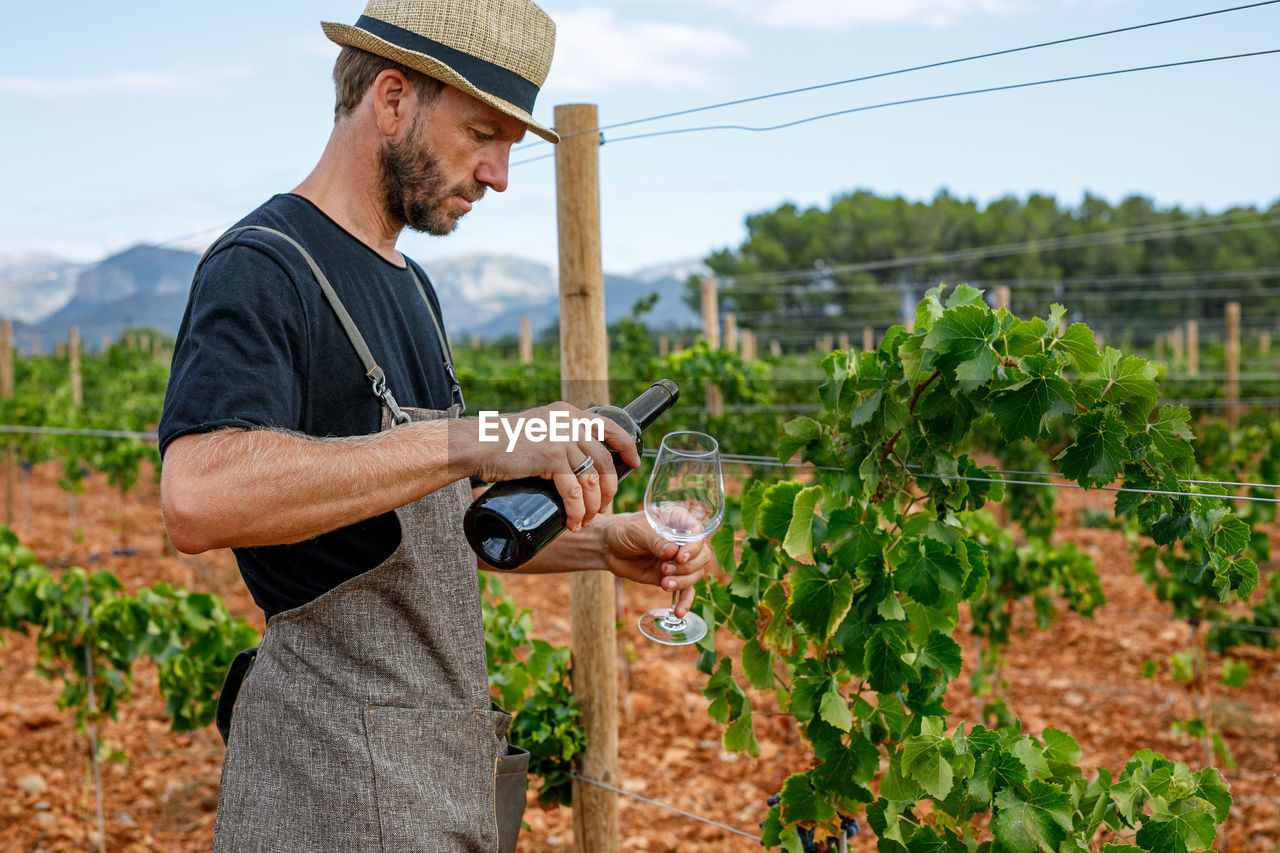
(573, 774)
(766, 462)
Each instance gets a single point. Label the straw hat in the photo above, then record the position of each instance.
(498, 51)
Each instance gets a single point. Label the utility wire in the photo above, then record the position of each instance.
(908, 70)
(927, 98)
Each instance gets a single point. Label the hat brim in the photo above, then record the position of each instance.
(345, 34)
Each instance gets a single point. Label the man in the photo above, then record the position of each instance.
(312, 424)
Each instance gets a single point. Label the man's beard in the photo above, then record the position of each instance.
(413, 188)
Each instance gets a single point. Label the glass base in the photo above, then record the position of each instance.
(662, 627)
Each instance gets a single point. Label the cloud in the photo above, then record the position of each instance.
(847, 14)
(596, 51)
(208, 83)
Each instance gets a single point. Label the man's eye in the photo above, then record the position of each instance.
(482, 137)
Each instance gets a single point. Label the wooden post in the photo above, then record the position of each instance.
(868, 339)
(584, 371)
(1002, 297)
(77, 387)
(775, 348)
(844, 341)
(731, 332)
(748, 345)
(6, 392)
(59, 349)
(711, 331)
(664, 346)
(1175, 343)
(710, 313)
(1264, 343)
(144, 343)
(1157, 348)
(474, 341)
(526, 340)
(1193, 348)
(1232, 388)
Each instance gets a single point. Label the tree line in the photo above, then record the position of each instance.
(789, 279)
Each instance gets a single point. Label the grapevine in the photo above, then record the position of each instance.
(847, 589)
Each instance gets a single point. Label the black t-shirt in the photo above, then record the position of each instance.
(260, 346)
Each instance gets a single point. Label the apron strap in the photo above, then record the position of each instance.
(377, 378)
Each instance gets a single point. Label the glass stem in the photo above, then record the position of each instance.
(675, 599)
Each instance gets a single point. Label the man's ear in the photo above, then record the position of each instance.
(395, 102)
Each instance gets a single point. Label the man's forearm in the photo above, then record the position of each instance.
(244, 488)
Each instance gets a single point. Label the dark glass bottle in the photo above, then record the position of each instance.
(515, 519)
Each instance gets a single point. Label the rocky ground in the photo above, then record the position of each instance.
(1082, 676)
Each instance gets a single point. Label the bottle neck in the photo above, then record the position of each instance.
(646, 408)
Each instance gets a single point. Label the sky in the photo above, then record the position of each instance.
(166, 122)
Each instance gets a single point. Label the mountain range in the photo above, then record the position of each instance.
(146, 287)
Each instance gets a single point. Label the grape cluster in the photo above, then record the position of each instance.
(848, 825)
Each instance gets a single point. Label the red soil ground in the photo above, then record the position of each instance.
(1082, 676)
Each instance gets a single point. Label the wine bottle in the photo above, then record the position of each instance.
(515, 519)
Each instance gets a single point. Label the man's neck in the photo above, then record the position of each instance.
(345, 185)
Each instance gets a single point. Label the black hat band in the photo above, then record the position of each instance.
(481, 73)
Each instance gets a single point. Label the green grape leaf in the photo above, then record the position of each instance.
(776, 509)
(963, 294)
(846, 769)
(1214, 791)
(886, 671)
(1171, 435)
(1190, 829)
(926, 568)
(1234, 672)
(798, 434)
(1037, 824)
(819, 601)
(1096, 456)
(941, 652)
(1240, 575)
(741, 736)
(757, 664)
(1023, 410)
(800, 802)
(1060, 747)
(834, 709)
(1078, 343)
(1129, 382)
(923, 761)
(965, 334)
(864, 411)
(799, 539)
(996, 769)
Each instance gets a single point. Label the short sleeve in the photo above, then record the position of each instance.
(240, 355)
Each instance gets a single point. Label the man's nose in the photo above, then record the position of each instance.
(493, 170)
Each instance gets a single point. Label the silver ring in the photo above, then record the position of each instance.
(584, 465)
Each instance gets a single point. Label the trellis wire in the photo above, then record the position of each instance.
(573, 774)
(768, 461)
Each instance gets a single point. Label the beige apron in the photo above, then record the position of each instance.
(365, 723)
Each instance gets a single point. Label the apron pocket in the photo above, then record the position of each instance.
(433, 775)
(509, 786)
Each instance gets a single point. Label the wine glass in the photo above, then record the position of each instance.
(684, 503)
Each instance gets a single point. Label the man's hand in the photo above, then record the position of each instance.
(584, 494)
(635, 552)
